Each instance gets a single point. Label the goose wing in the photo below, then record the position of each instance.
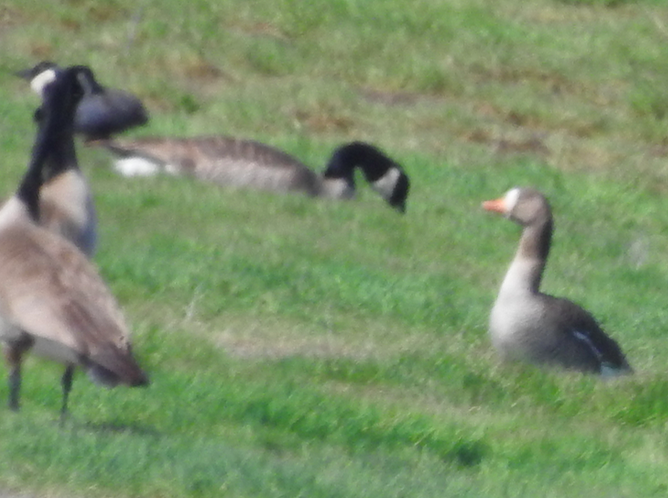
(583, 337)
(50, 290)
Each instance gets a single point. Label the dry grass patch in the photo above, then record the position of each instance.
(276, 338)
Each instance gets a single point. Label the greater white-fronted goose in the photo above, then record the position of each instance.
(526, 324)
(52, 300)
(236, 162)
(102, 111)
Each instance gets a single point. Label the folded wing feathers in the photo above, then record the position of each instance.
(67, 301)
(586, 330)
(223, 160)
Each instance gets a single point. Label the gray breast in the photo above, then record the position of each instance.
(513, 328)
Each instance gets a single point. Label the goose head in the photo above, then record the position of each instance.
(383, 174)
(87, 80)
(398, 192)
(59, 102)
(101, 112)
(40, 75)
(45, 72)
(525, 206)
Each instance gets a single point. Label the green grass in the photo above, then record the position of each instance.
(303, 347)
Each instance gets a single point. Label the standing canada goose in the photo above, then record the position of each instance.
(237, 162)
(102, 111)
(52, 300)
(526, 324)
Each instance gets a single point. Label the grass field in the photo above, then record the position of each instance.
(310, 348)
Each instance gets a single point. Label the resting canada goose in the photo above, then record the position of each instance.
(526, 324)
(52, 300)
(237, 162)
(102, 111)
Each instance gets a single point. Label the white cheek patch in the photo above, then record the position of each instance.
(40, 81)
(510, 200)
(385, 184)
(136, 166)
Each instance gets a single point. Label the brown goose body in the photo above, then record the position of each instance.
(52, 300)
(52, 297)
(241, 163)
(528, 325)
(225, 161)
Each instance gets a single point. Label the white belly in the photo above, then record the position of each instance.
(136, 166)
(41, 346)
(55, 351)
(509, 323)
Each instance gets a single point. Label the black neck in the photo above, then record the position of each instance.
(63, 158)
(341, 166)
(28, 190)
(53, 148)
(373, 163)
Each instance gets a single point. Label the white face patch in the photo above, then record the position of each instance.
(41, 80)
(510, 200)
(136, 166)
(385, 184)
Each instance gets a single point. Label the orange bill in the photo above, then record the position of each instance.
(497, 205)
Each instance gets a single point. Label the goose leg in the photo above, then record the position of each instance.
(14, 383)
(66, 382)
(14, 352)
